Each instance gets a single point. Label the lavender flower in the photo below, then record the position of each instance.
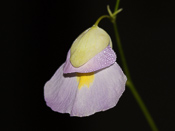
(90, 80)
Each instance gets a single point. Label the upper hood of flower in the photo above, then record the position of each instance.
(88, 44)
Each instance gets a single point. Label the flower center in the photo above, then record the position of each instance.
(85, 79)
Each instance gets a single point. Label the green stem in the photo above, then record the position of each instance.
(142, 106)
(124, 63)
(117, 5)
(131, 85)
(129, 81)
(99, 19)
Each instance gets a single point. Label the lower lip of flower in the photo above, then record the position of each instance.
(85, 79)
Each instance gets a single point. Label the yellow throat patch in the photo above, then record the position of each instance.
(85, 79)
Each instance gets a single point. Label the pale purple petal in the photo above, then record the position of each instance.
(62, 94)
(102, 60)
(108, 86)
(60, 91)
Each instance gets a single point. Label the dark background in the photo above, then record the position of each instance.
(36, 36)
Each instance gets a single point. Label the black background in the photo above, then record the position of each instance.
(36, 36)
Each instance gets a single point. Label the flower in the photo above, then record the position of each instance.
(90, 80)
